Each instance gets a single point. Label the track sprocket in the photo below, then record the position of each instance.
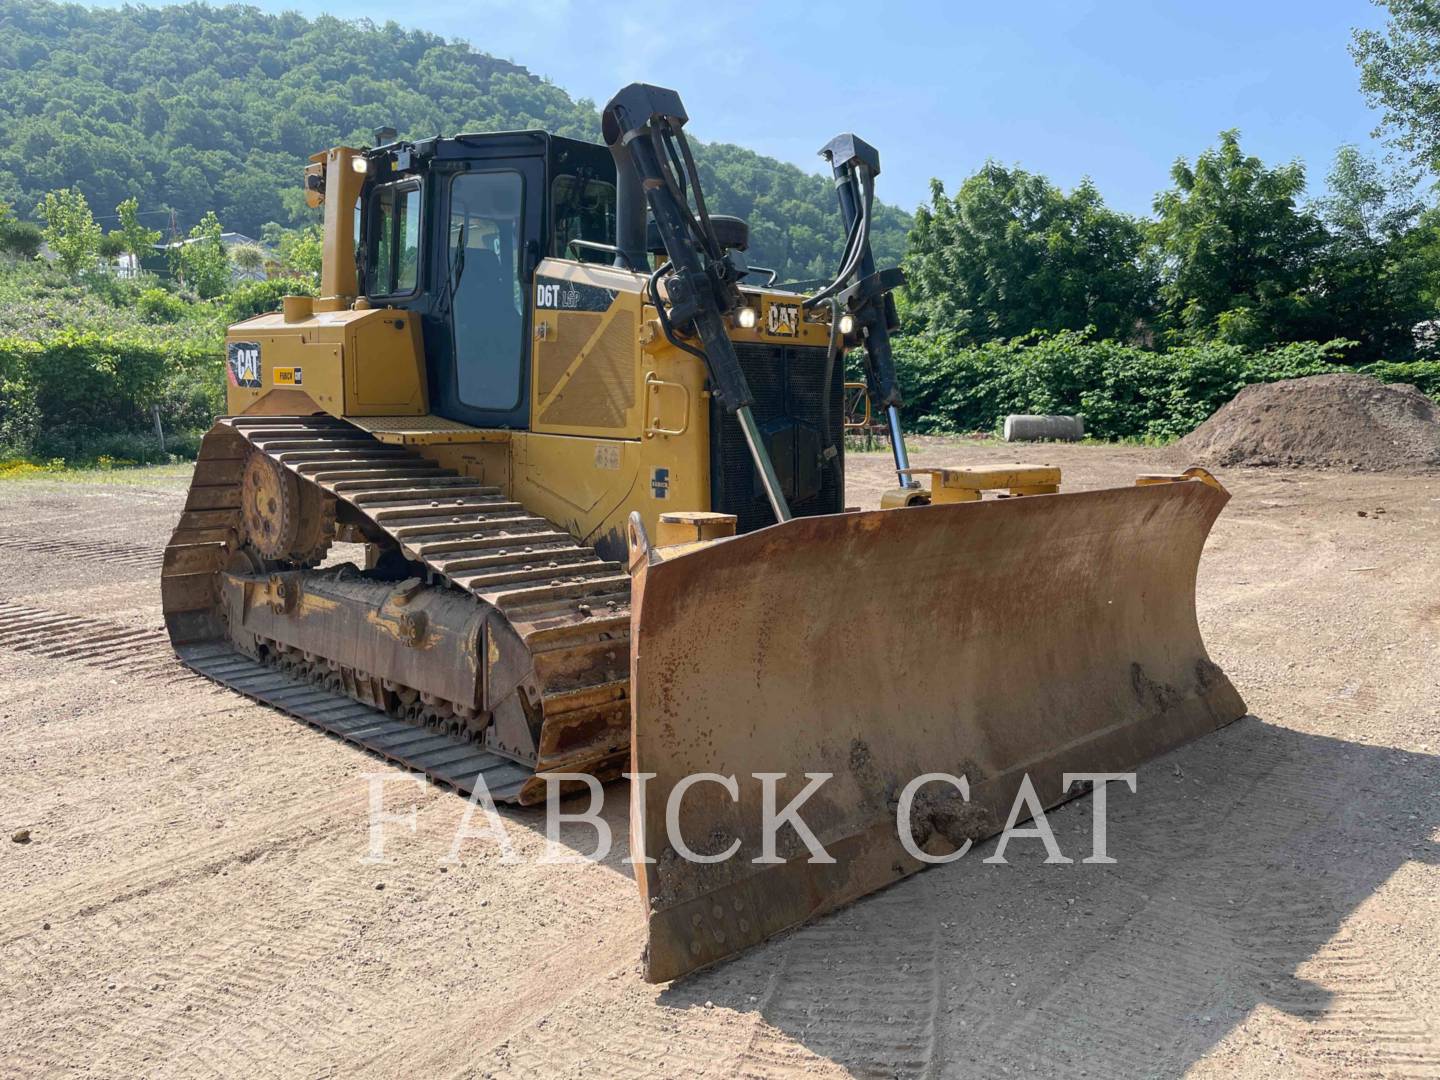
(283, 517)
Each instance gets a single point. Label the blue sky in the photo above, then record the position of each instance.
(1113, 89)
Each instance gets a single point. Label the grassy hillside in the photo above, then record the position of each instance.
(194, 108)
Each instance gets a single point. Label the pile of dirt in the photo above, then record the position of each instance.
(1344, 421)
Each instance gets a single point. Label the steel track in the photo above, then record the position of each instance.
(569, 608)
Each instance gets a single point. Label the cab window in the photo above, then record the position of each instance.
(488, 305)
(393, 259)
(582, 208)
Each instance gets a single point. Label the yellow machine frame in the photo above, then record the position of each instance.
(337, 354)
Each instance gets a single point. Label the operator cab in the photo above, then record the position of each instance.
(453, 229)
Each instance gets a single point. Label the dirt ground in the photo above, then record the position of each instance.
(194, 901)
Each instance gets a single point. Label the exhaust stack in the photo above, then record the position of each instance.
(630, 208)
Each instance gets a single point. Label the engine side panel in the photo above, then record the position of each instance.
(366, 362)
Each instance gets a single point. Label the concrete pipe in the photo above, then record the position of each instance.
(1036, 428)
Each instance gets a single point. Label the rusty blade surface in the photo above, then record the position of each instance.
(1037, 635)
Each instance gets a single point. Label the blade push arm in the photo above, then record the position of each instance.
(860, 289)
(643, 128)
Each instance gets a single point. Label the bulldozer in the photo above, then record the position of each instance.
(590, 464)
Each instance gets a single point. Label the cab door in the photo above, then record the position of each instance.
(490, 224)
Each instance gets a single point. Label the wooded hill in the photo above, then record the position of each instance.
(194, 108)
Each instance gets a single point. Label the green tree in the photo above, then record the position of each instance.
(1400, 75)
(301, 250)
(1425, 240)
(202, 263)
(137, 240)
(1238, 254)
(1012, 253)
(111, 246)
(70, 230)
(249, 258)
(1377, 268)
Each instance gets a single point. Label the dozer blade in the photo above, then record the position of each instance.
(1036, 635)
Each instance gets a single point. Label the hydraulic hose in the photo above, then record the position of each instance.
(856, 252)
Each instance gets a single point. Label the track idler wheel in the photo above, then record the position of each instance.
(284, 517)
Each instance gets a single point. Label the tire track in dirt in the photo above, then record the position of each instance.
(609, 1025)
(170, 997)
(292, 1020)
(130, 651)
(881, 1002)
(883, 997)
(264, 963)
(99, 552)
(1347, 1014)
(570, 957)
(85, 893)
(1174, 939)
(114, 797)
(1021, 944)
(607, 1038)
(1305, 960)
(1220, 938)
(262, 953)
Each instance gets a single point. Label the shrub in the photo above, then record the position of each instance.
(19, 415)
(116, 449)
(156, 305)
(1123, 391)
(1424, 375)
(38, 300)
(300, 250)
(193, 393)
(88, 382)
(251, 298)
(111, 246)
(118, 292)
(84, 361)
(249, 258)
(74, 394)
(19, 238)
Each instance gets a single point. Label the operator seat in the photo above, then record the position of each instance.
(486, 306)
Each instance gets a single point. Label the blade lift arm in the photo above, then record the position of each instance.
(864, 292)
(643, 126)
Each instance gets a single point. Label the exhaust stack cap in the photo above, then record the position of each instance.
(384, 136)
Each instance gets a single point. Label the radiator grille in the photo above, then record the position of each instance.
(786, 381)
(601, 389)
